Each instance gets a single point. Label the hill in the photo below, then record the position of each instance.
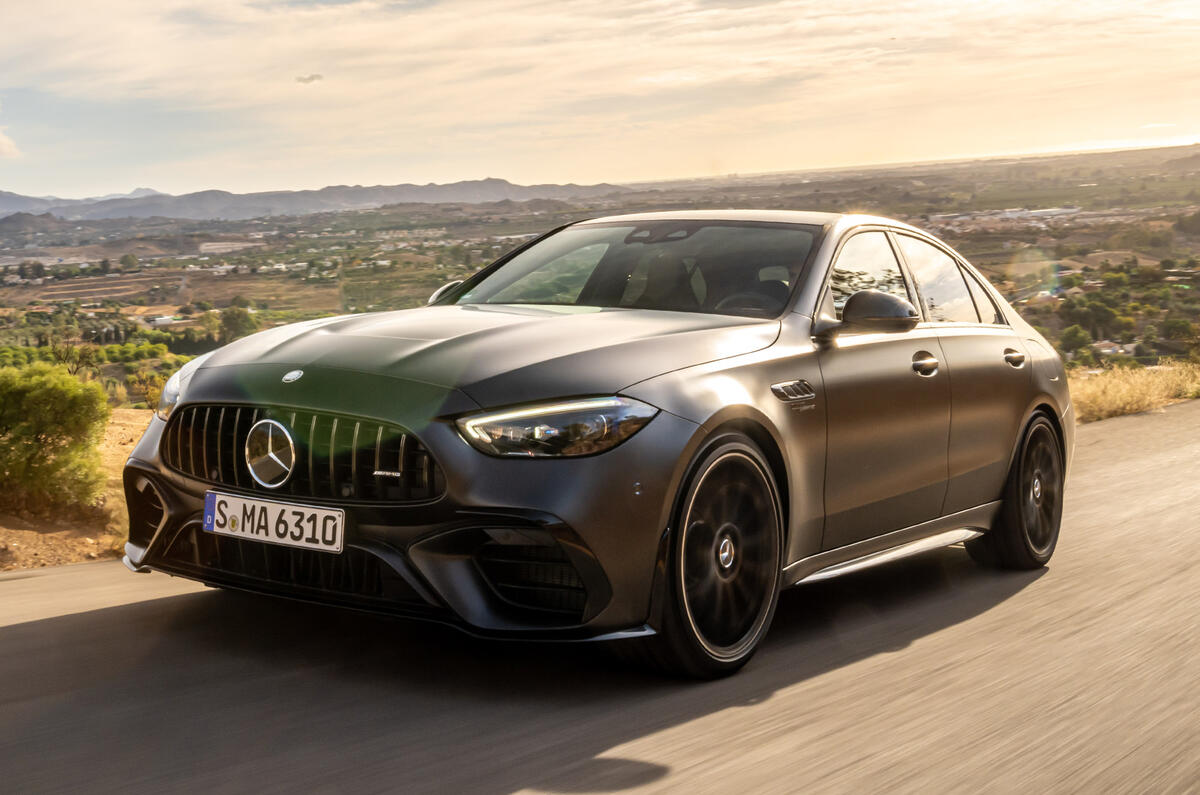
(219, 204)
(24, 223)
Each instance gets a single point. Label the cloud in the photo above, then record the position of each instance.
(1157, 126)
(627, 89)
(8, 148)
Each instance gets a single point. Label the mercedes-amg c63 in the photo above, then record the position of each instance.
(635, 429)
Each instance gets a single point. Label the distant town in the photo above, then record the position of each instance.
(1098, 250)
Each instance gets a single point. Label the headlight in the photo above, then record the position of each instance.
(552, 430)
(169, 396)
(173, 389)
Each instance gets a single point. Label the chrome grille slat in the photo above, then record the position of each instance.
(312, 443)
(354, 459)
(333, 458)
(342, 449)
(220, 433)
(204, 435)
(378, 450)
(237, 424)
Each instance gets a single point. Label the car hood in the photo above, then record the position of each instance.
(498, 354)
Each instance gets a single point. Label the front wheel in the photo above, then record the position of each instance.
(1026, 530)
(724, 564)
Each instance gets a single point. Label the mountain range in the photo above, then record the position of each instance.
(219, 204)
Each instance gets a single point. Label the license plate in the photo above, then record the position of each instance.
(282, 523)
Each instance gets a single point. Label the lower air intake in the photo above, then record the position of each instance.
(538, 577)
(355, 574)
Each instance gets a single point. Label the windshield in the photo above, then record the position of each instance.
(718, 267)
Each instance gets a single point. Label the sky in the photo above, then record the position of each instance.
(247, 95)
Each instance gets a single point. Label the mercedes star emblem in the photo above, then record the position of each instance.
(270, 454)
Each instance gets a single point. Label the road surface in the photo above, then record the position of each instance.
(927, 674)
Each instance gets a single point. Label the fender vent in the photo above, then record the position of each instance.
(794, 391)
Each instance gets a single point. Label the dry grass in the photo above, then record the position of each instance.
(1117, 391)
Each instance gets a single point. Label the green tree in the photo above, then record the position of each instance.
(1177, 328)
(1073, 338)
(237, 322)
(128, 261)
(75, 356)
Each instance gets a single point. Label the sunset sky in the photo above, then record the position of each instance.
(100, 97)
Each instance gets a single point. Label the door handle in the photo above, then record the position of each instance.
(924, 363)
(1014, 357)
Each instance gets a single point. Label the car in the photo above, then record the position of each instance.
(635, 429)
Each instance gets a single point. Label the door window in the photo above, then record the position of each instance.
(866, 262)
(943, 291)
(988, 313)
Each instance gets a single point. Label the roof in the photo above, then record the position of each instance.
(776, 216)
(845, 220)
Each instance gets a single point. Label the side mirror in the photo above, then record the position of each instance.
(873, 311)
(441, 291)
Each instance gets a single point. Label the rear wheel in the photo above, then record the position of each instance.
(724, 567)
(1026, 530)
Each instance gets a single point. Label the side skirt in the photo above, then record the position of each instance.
(940, 532)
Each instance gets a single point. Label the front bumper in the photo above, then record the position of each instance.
(536, 548)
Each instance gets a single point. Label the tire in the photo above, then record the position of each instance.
(723, 566)
(1026, 530)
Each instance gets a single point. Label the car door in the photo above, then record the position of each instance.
(989, 372)
(887, 405)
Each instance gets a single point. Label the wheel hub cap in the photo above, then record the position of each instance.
(725, 553)
(1037, 488)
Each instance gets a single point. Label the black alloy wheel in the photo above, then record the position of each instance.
(725, 565)
(1026, 530)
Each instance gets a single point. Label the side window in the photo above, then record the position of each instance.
(866, 262)
(939, 281)
(988, 313)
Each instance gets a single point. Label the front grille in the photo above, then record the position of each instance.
(337, 457)
(533, 576)
(354, 573)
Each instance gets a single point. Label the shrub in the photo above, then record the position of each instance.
(1117, 391)
(148, 385)
(50, 428)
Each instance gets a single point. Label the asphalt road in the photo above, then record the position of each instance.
(926, 674)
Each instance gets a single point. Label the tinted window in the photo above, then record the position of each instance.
(988, 313)
(866, 262)
(939, 281)
(722, 267)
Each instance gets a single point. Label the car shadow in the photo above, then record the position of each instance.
(229, 691)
